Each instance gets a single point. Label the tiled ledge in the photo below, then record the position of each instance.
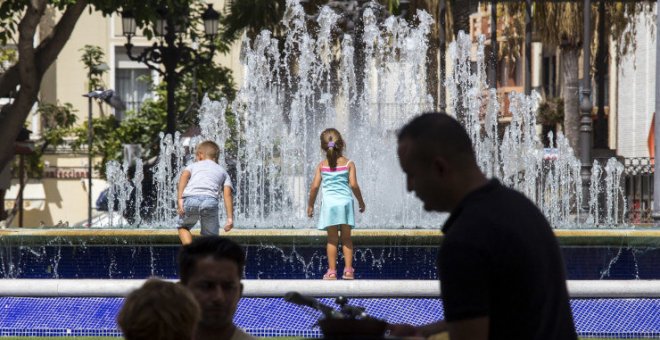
(615, 237)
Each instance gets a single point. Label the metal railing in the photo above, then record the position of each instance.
(638, 188)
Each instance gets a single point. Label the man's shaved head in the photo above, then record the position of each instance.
(438, 134)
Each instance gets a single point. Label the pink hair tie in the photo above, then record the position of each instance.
(331, 144)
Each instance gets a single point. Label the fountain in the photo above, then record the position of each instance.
(290, 95)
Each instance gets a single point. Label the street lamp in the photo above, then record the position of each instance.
(90, 135)
(171, 52)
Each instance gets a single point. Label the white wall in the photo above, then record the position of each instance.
(636, 97)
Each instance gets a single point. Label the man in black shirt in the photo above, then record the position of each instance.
(500, 267)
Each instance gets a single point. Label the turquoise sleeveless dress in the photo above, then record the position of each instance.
(337, 204)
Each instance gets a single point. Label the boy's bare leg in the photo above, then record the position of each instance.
(331, 247)
(347, 245)
(185, 236)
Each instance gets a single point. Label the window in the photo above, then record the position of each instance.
(132, 80)
(133, 86)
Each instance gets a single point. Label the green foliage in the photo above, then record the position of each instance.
(56, 123)
(215, 82)
(393, 6)
(110, 135)
(145, 12)
(209, 79)
(8, 19)
(34, 166)
(7, 56)
(622, 25)
(141, 127)
(513, 28)
(551, 111)
(144, 127)
(92, 57)
(9, 8)
(560, 23)
(252, 16)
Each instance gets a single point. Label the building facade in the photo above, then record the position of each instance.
(60, 197)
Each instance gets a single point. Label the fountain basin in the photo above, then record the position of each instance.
(406, 254)
(640, 236)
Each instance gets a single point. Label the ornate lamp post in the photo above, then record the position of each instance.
(585, 137)
(176, 57)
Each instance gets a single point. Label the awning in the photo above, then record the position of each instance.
(34, 196)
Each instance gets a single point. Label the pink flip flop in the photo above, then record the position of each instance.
(349, 274)
(330, 275)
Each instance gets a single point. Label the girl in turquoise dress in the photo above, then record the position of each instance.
(336, 176)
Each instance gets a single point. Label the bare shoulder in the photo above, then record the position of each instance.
(343, 161)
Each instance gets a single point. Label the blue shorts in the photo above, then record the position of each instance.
(203, 209)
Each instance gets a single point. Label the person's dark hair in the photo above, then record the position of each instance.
(438, 133)
(215, 246)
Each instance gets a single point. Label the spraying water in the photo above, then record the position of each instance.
(291, 94)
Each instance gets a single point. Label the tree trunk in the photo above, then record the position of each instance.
(432, 54)
(30, 68)
(460, 13)
(570, 88)
(48, 50)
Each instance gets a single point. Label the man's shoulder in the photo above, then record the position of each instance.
(496, 211)
(501, 201)
(239, 334)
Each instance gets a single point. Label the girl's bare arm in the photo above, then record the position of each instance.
(314, 190)
(352, 182)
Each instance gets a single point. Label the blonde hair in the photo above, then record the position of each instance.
(209, 149)
(333, 145)
(159, 310)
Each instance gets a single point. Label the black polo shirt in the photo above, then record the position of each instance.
(500, 259)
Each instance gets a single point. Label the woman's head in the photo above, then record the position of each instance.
(159, 310)
(333, 145)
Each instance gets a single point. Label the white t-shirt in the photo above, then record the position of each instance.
(206, 179)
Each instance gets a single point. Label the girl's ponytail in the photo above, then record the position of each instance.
(331, 155)
(333, 144)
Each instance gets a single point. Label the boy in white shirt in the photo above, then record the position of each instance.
(199, 187)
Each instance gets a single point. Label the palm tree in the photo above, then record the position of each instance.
(560, 24)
